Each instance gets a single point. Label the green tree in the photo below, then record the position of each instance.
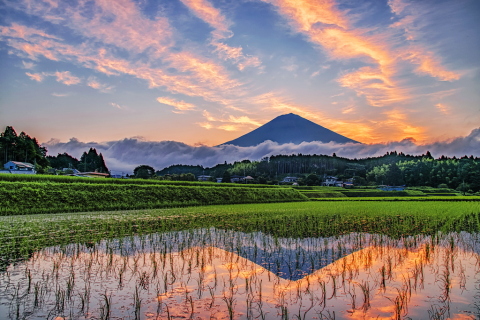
(226, 177)
(91, 161)
(144, 172)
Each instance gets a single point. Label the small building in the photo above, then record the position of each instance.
(289, 179)
(203, 178)
(330, 181)
(339, 183)
(249, 179)
(219, 180)
(236, 178)
(17, 167)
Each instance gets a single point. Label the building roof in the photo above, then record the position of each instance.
(22, 164)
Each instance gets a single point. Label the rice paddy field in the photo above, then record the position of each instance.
(75, 248)
(326, 259)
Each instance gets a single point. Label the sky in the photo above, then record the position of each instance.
(197, 73)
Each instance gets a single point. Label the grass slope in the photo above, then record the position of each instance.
(48, 197)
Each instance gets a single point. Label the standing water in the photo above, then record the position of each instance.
(218, 274)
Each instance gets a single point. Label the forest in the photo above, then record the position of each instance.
(390, 169)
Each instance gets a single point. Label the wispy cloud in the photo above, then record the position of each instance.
(28, 65)
(443, 108)
(180, 106)
(60, 95)
(35, 76)
(95, 84)
(148, 44)
(117, 106)
(411, 16)
(228, 122)
(204, 10)
(66, 78)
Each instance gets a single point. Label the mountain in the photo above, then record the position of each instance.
(289, 128)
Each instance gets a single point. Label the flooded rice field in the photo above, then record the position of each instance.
(218, 274)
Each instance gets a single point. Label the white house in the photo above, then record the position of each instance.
(330, 181)
(19, 167)
(289, 179)
(203, 178)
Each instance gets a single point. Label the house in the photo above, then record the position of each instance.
(339, 183)
(219, 180)
(203, 178)
(249, 179)
(330, 181)
(236, 178)
(19, 167)
(289, 179)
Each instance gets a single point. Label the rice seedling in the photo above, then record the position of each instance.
(246, 275)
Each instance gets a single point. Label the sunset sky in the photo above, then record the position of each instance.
(207, 71)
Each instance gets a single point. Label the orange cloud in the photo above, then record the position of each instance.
(429, 64)
(95, 84)
(342, 44)
(227, 52)
(66, 78)
(230, 123)
(328, 27)
(410, 14)
(181, 106)
(305, 14)
(443, 108)
(205, 11)
(35, 76)
(378, 89)
(16, 30)
(121, 24)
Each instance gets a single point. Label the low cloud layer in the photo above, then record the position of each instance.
(124, 155)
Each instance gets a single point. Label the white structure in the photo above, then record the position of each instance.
(19, 167)
(330, 181)
(203, 178)
(290, 179)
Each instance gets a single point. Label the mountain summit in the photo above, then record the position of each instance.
(289, 128)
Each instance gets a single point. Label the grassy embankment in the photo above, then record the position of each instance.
(52, 197)
(23, 234)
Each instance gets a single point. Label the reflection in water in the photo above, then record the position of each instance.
(216, 274)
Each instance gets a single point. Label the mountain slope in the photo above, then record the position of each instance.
(289, 128)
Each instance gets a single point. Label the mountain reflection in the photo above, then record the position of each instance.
(217, 274)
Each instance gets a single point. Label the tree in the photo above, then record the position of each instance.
(312, 180)
(394, 176)
(63, 160)
(143, 172)
(91, 161)
(226, 177)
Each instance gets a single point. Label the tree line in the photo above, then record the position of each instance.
(23, 148)
(390, 169)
